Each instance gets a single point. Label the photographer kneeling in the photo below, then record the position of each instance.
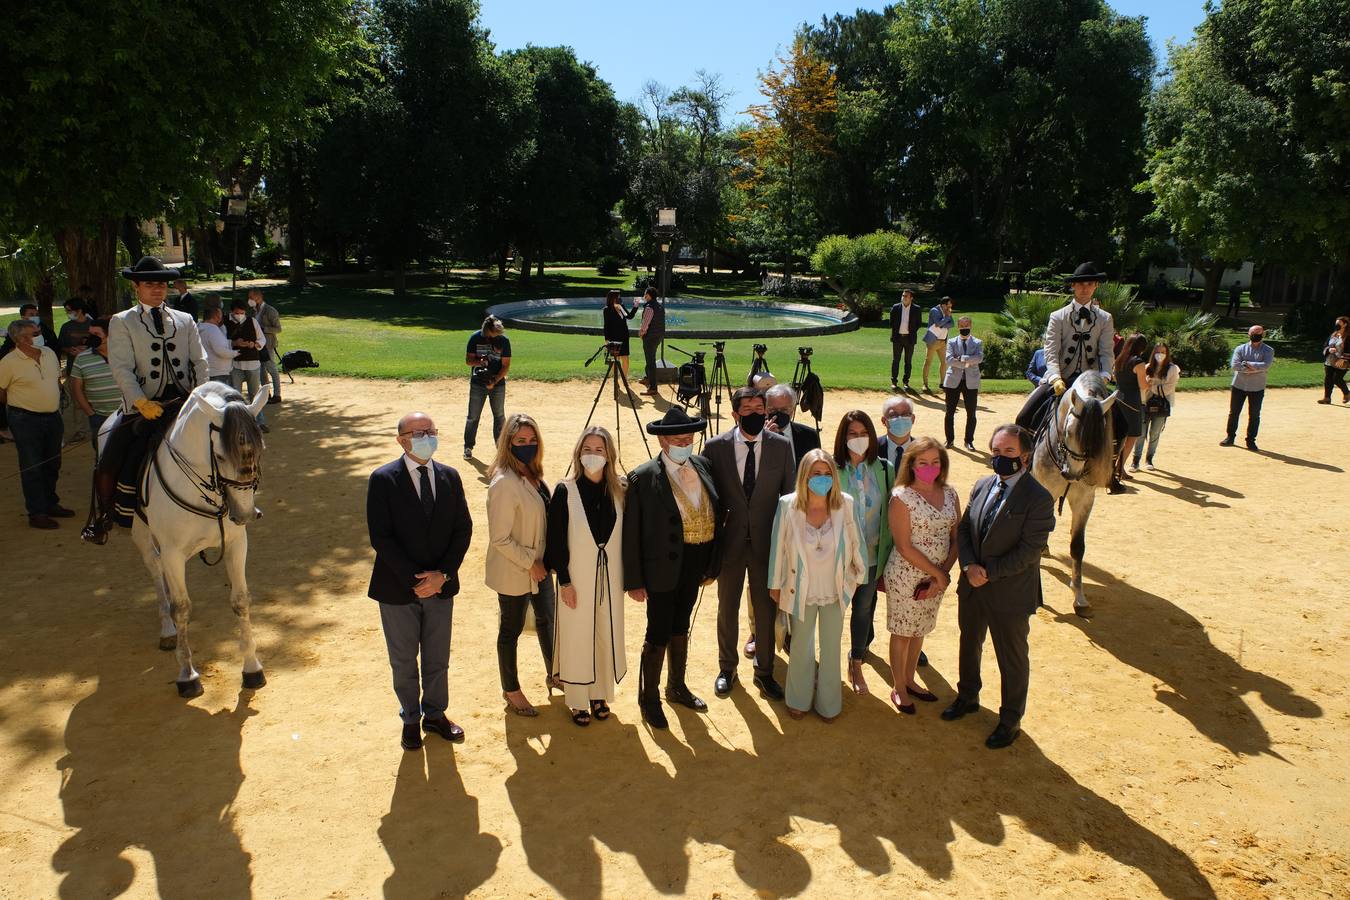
(489, 355)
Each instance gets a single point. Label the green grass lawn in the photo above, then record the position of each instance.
(368, 333)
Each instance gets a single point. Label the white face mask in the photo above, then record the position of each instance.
(39, 341)
(252, 304)
(36, 320)
(593, 462)
(1159, 357)
(237, 319)
(858, 445)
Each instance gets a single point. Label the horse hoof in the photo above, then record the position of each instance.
(1082, 612)
(169, 643)
(189, 689)
(254, 680)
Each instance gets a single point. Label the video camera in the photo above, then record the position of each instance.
(718, 346)
(804, 352)
(760, 349)
(611, 349)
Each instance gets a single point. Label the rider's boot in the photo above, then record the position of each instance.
(96, 532)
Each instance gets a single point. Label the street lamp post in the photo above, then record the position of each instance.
(236, 212)
(665, 234)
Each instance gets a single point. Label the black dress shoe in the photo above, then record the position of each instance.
(959, 708)
(970, 445)
(445, 728)
(949, 445)
(722, 686)
(923, 659)
(60, 512)
(1226, 442)
(1251, 445)
(772, 689)
(47, 523)
(1002, 736)
(412, 736)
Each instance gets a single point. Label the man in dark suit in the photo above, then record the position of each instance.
(999, 541)
(906, 321)
(186, 301)
(779, 401)
(752, 469)
(420, 528)
(671, 528)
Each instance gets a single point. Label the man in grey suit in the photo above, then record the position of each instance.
(1078, 338)
(999, 541)
(751, 468)
(964, 355)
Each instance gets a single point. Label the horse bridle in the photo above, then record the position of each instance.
(1060, 451)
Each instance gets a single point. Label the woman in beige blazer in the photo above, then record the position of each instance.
(517, 509)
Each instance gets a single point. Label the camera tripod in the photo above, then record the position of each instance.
(801, 373)
(711, 401)
(615, 371)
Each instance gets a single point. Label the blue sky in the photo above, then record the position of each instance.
(632, 42)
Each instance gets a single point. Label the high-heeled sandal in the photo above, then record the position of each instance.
(600, 709)
(528, 712)
(855, 677)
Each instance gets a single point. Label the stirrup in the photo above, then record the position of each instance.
(97, 531)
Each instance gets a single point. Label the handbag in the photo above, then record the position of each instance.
(1157, 405)
(1341, 362)
(920, 588)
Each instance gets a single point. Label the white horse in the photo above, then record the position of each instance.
(197, 495)
(1074, 457)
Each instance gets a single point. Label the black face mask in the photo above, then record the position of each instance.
(965, 332)
(1258, 338)
(1007, 465)
(781, 419)
(752, 423)
(93, 341)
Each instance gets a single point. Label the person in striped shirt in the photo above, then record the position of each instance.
(91, 380)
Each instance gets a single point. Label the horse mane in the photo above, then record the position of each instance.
(240, 436)
(1094, 431)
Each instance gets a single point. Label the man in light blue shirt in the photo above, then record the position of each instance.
(1251, 364)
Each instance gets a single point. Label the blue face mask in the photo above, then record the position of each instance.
(680, 454)
(424, 447)
(900, 426)
(525, 452)
(820, 484)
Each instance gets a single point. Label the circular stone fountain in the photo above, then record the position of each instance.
(686, 318)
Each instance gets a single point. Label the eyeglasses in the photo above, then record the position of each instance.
(430, 432)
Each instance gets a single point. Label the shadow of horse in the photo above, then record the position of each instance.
(1189, 490)
(1198, 681)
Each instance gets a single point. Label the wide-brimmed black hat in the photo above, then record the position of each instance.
(1086, 272)
(150, 269)
(676, 421)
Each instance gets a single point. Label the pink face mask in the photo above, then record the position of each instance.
(927, 474)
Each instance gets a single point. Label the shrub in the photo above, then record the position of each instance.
(1043, 278)
(1121, 301)
(1008, 357)
(677, 283)
(1197, 345)
(858, 266)
(799, 288)
(609, 265)
(1026, 315)
(267, 257)
(961, 286)
(870, 308)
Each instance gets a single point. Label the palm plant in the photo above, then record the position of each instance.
(30, 266)
(1121, 301)
(1026, 315)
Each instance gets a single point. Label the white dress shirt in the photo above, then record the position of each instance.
(906, 312)
(742, 447)
(679, 474)
(412, 465)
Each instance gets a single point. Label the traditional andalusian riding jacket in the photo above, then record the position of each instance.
(1078, 339)
(148, 359)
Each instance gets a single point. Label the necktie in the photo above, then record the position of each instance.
(748, 480)
(965, 347)
(688, 479)
(158, 318)
(991, 508)
(428, 498)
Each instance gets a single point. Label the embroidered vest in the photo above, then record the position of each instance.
(698, 522)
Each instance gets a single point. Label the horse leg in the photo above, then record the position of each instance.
(236, 554)
(1081, 498)
(140, 536)
(180, 605)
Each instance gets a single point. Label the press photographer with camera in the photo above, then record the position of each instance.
(489, 357)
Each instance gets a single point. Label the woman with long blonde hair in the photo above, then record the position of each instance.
(816, 563)
(517, 510)
(585, 551)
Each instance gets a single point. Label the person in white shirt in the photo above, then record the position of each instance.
(1159, 401)
(219, 353)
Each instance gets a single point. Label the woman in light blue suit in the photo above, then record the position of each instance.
(940, 322)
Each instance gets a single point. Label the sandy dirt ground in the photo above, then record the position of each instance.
(1189, 741)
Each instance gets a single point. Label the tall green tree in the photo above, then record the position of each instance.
(98, 129)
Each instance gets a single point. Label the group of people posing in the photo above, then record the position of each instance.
(815, 534)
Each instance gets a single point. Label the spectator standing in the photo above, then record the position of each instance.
(420, 529)
(962, 381)
(816, 563)
(585, 550)
(517, 513)
(92, 385)
(488, 355)
(999, 542)
(1131, 370)
(867, 478)
(1251, 364)
(779, 401)
(1336, 360)
(1036, 368)
(905, 324)
(615, 319)
(270, 321)
(923, 512)
(184, 300)
(1021, 282)
(1160, 400)
(940, 322)
(1234, 299)
(45, 337)
(71, 337)
(30, 388)
(897, 420)
(652, 332)
(220, 352)
(752, 470)
(249, 342)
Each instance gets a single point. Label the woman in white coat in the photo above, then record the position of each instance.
(816, 562)
(585, 530)
(517, 509)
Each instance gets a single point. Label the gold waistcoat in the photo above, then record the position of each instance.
(698, 521)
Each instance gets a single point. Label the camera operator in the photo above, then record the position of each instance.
(489, 356)
(616, 327)
(779, 402)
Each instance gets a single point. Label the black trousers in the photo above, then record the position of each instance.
(953, 395)
(1253, 399)
(978, 617)
(1333, 377)
(902, 345)
(513, 623)
(650, 345)
(668, 612)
